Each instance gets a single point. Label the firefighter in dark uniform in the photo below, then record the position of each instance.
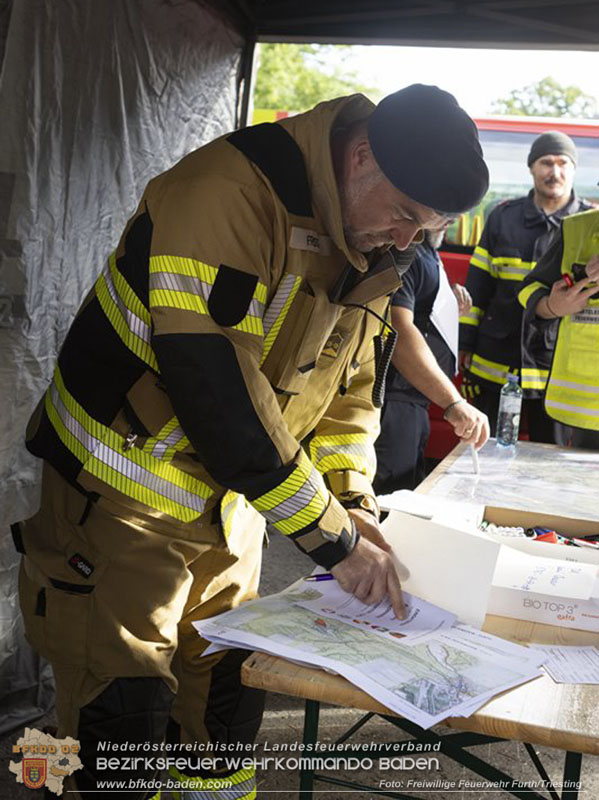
(422, 371)
(234, 321)
(516, 235)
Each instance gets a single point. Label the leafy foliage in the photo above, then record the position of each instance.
(548, 98)
(294, 77)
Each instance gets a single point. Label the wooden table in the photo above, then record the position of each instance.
(539, 712)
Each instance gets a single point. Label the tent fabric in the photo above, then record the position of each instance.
(95, 99)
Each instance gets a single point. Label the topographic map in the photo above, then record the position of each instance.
(533, 476)
(425, 680)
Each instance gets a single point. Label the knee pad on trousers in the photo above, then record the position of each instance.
(233, 712)
(128, 710)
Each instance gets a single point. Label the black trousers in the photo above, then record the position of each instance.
(400, 447)
(541, 427)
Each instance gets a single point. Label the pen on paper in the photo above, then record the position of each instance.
(323, 576)
(475, 464)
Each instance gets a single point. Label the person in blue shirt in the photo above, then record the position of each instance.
(421, 372)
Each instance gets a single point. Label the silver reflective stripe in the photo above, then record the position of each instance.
(169, 441)
(580, 387)
(582, 410)
(504, 269)
(134, 323)
(71, 424)
(121, 463)
(255, 308)
(235, 792)
(276, 305)
(144, 477)
(335, 449)
(500, 373)
(291, 505)
(175, 282)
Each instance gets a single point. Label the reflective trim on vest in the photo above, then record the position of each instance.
(126, 313)
(572, 395)
(353, 451)
(136, 474)
(185, 283)
(297, 502)
(241, 785)
(490, 370)
(277, 310)
(534, 378)
(525, 294)
(473, 317)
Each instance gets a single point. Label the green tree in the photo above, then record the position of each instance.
(548, 98)
(294, 77)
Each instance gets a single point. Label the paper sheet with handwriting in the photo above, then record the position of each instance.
(516, 570)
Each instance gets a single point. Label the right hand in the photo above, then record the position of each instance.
(566, 300)
(470, 424)
(369, 574)
(464, 360)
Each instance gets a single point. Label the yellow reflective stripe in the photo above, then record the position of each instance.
(185, 284)
(525, 294)
(298, 501)
(169, 440)
(241, 785)
(353, 451)
(534, 378)
(473, 317)
(277, 311)
(183, 266)
(511, 269)
(132, 472)
(125, 312)
(229, 504)
(481, 259)
(490, 370)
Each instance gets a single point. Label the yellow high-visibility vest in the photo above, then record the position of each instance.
(572, 395)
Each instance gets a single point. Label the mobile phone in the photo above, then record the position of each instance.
(579, 272)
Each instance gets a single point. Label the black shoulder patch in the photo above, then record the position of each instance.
(231, 295)
(279, 157)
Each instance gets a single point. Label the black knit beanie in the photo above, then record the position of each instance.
(552, 143)
(428, 147)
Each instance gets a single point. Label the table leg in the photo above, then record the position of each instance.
(572, 767)
(310, 736)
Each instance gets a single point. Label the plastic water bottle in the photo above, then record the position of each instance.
(508, 417)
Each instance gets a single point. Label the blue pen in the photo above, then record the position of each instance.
(323, 576)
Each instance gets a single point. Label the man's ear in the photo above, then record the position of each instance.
(360, 154)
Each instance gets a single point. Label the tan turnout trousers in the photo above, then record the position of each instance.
(108, 598)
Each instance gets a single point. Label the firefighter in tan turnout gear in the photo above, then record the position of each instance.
(219, 376)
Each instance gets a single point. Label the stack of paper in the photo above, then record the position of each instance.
(436, 671)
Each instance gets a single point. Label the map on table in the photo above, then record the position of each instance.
(531, 476)
(425, 679)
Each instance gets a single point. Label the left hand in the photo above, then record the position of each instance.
(462, 295)
(470, 424)
(592, 268)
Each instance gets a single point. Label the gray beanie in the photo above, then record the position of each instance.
(552, 143)
(428, 147)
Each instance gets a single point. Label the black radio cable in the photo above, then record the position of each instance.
(383, 350)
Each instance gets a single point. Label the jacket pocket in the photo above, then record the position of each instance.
(300, 341)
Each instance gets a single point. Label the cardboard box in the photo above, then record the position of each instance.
(577, 608)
